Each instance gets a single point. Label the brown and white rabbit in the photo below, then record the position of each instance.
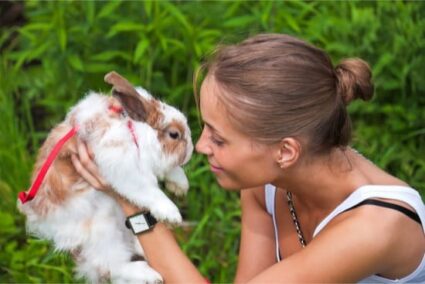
(137, 140)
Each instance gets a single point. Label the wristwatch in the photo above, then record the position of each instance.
(140, 222)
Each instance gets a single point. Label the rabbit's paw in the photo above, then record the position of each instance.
(177, 189)
(136, 272)
(176, 181)
(166, 211)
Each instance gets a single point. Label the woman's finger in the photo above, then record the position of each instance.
(89, 151)
(88, 167)
(84, 173)
(85, 159)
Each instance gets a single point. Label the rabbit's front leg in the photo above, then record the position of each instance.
(134, 181)
(160, 206)
(145, 193)
(176, 181)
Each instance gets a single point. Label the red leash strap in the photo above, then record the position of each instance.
(133, 133)
(23, 196)
(119, 109)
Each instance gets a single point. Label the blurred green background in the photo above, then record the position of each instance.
(52, 53)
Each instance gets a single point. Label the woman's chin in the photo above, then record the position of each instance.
(235, 185)
(227, 184)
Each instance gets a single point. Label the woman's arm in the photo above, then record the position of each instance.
(257, 248)
(161, 248)
(357, 244)
(163, 252)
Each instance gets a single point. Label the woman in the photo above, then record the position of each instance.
(313, 209)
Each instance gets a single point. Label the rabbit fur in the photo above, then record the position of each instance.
(90, 224)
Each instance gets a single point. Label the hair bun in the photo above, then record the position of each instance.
(354, 80)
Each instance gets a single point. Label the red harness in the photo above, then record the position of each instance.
(119, 109)
(25, 197)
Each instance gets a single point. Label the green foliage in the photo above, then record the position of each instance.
(65, 48)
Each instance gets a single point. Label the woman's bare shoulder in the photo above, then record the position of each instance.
(390, 235)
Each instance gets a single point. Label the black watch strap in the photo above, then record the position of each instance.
(151, 219)
(140, 222)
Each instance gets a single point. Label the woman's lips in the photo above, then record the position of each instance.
(215, 169)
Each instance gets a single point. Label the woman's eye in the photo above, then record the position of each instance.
(216, 141)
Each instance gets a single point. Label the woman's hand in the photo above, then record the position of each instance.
(85, 166)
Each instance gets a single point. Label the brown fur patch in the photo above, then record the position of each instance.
(97, 122)
(170, 145)
(137, 107)
(120, 84)
(72, 120)
(55, 189)
(105, 275)
(76, 254)
(155, 116)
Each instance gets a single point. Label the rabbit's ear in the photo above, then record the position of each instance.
(135, 105)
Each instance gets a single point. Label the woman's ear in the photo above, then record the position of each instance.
(289, 151)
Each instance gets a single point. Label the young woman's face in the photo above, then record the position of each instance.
(235, 159)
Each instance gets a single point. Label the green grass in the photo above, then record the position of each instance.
(65, 48)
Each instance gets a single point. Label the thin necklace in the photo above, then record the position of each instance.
(295, 219)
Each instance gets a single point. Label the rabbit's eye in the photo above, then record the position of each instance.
(174, 134)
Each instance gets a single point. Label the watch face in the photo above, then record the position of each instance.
(139, 224)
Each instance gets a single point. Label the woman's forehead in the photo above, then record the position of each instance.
(209, 97)
(213, 111)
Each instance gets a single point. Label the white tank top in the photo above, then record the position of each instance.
(401, 193)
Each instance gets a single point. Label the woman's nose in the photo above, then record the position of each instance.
(202, 144)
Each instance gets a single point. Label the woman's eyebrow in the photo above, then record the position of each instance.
(212, 127)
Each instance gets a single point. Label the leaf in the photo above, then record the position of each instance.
(238, 21)
(177, 43)
(20, 57)
(125, 27)
(89, 9)
(382, 63)
(75, 61)
(7, 223)
(209, 33)
(109, 55)
(94, 67)
(179, 16)
(62, 38)
(36, 27)
(141, 47)
(148, 8)
(108, 9)
(39, 51)
(293, 23)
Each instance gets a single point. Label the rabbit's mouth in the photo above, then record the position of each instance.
(188, 154)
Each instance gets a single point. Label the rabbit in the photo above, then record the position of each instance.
(137, 141)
